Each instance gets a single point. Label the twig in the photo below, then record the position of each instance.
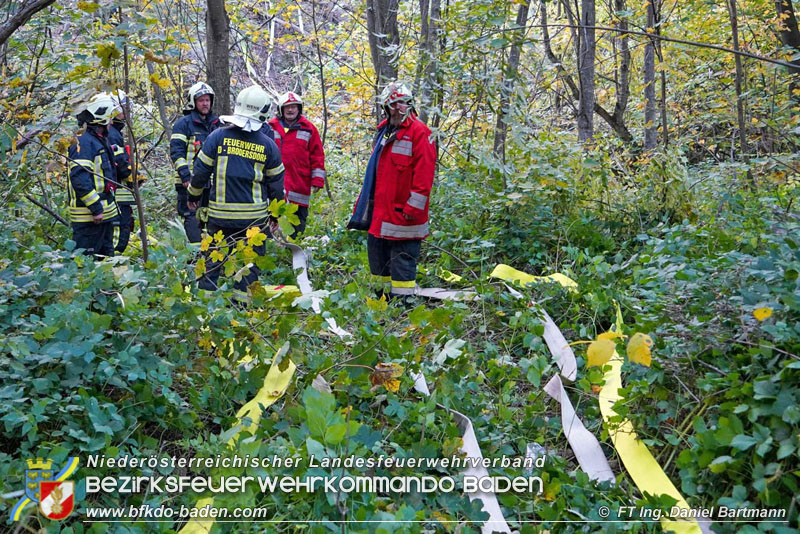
(57, 217)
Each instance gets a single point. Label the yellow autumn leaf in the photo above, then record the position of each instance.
(255, 236)
(206, 242)
(599, 352)
(762, 313)
(219, 236)
(386, 374)
(638, 349)
(200, 268)
(612, 335)
(378, 305)
(216, 255)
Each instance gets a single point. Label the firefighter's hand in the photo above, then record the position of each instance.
(315, 188)
(274, 227)
(407, 217)
(193, 205)
(186, 184)
(97, 219)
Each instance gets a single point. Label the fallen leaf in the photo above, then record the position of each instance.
(638, 349)
(599, 352)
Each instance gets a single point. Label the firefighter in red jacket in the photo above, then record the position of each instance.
(302, 154)
(394, 200)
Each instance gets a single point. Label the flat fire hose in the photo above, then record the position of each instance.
(583, 443)
(639, 462)
(275, 384)
(496, 522)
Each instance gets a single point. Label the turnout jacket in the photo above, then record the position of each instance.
(398, 181)
(303, 157)
(122, 162)
(248, 174)
(91, 179)
(188, 135)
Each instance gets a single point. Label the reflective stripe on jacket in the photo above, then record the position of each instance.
(403, 182)
(303, 157)
(123, 195)
(248, 175)
(91, 177)
(188, 135)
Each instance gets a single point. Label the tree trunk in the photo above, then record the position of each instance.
(218, 68)
(162, 105)
(789, 34)
(509, 77)
(384, 39)
(322, 85)
(428, 68)
(25, 11)
(739, 78)
(617, 125)
(624, 70)
(650, 127)
(586, 53)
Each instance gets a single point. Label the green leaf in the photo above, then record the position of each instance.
(743, 442)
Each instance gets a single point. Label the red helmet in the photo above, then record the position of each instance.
(289, 98)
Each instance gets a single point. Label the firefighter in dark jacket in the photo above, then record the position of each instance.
(124, 192)
(302, 154)
(92, 177)
(394, 200)
(188, 135)
(248, 175)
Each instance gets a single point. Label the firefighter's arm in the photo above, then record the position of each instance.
(123, 164)
(178, 145)
(423, 165)
(80, 176)
(273, 170)
(317, 157)
(203, 167)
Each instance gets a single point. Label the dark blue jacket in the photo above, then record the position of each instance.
(248, 174)
(188, 135)
(92, 177)
(123, 195)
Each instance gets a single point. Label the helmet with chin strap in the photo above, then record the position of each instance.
(198, 89)
(287, 99)
(395, 92)
(100, 110)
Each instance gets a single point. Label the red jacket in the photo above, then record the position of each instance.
(303, 158)
(403, 182)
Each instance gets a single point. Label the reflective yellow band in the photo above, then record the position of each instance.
(123, 195)
(87, 163)
(91, 197)
(381, 279)
(181, 162)
(275, 170)
(205, 159)
(179, 137)
(81, 214)
(194, 191)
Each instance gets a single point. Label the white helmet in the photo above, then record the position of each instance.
(100, 110)
(289, 98)
(120, 98)
(252, 104)
(198, 89)
(395, 92)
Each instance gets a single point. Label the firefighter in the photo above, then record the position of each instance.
(250, 178)
(302, 154)
(188, 135)
(92, 211)
(394, 200)
(124, 192)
